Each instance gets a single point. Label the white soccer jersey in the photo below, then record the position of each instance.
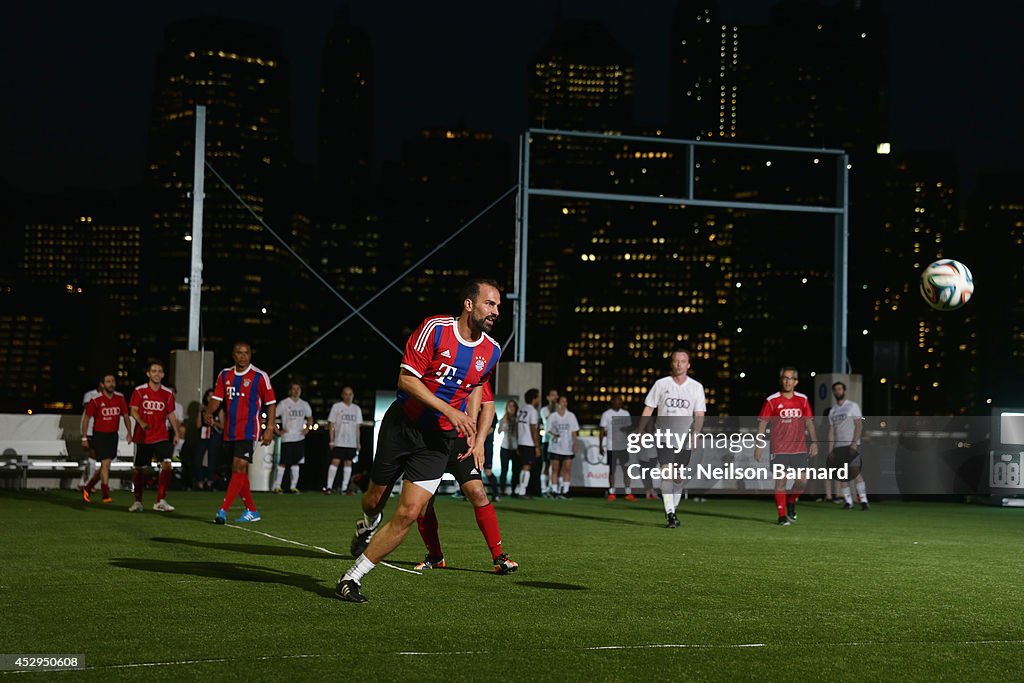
(614, 439)
(346, 420)
(292, 415)
(675, 400)
(527, 416)
(843, 419)
(561, 428)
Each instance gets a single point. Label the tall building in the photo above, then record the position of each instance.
(704, 94)
(238, 71)
(346, 117)
(996, 217)
(925, 362)
(76, 285)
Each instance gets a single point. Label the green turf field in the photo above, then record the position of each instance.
(906, 590)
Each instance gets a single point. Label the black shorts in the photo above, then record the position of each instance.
(343, 453)
(617, 457)
(146, 453)
(559, 457)
(292, 453)
(842, 455)
(422, 455)
(464, 470)
(237, 449)
(668, 456)
(528, 455)
(104, 445)
(791, 459)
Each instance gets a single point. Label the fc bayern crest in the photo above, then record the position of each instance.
(480, 363)
(246, 382)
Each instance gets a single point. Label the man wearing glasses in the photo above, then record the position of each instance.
(789, 414)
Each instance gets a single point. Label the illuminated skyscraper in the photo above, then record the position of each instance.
(237, 69)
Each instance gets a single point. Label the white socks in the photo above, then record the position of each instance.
(295, 476)
(346, 475)
(280, 477)
(359, 569)
(524, 481)
(846, 494)
(862, 492)
(332, 472)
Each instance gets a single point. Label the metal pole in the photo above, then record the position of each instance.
(524, 234)
(689, 171)
(840, 299)
(195, 280)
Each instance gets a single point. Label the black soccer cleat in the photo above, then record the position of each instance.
(348, 589)
(865, 507)
(847, 506)
(783, 521)
(671, 521)
(503, 565)
(362, 538)
(791, 511)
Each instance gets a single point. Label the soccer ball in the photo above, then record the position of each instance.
(947, 285)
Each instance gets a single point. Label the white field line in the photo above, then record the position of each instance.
(314, 547)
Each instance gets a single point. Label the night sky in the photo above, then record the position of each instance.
(78, 81)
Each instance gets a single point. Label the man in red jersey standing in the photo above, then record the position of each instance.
(789, 414)
(152, 405)
(443, 411)
(243, 391)
(106, 410)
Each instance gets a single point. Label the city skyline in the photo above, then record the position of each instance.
(80, 108)
(582, 78)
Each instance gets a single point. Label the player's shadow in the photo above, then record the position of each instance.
(723, 515)
(570, 515)
(248, 548)
(62, 499)
(228, 571)
(550, 585)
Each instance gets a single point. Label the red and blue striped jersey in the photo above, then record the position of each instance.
(450, 366)
(243, 395)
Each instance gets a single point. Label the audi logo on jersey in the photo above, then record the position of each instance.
(677, 403)
(156, 406)
(110, 411)
(790, 412)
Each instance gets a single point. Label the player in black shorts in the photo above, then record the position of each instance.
(444, 408)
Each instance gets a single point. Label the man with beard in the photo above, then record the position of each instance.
(441, 417)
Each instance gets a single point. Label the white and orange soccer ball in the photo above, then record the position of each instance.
(947, 285)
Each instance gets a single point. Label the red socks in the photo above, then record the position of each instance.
(245, 492)
(233, 485)
(487, 520)
(427, 524)
(139, 480)
(106, 490)
(780, 502)
(794, 495)
(162, 482)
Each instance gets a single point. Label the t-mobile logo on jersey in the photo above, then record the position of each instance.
(445, 371)
(231, 392)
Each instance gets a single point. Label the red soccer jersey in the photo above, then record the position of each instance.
(787, 418)
(244, 394)
(154, 406)
(107, 411)
(449, 366)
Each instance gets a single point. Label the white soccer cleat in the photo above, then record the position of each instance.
(163, 506)
(136, 507)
